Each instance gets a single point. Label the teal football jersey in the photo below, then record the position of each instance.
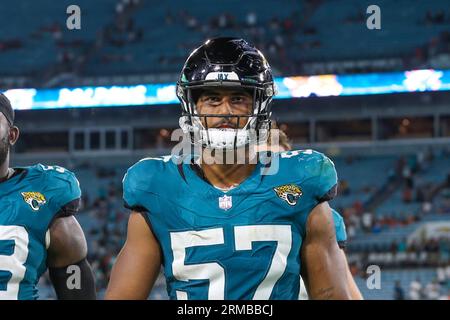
(241, 244)
(31, 199)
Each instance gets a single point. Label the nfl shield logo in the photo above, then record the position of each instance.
(225, 202)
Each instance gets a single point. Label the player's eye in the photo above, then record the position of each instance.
(212, 99)
(239, 99)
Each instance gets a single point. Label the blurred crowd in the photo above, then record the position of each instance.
(401, 254)
(281, 38)
(408, 176)
(437, 289)
(271, 38)
(278, 36)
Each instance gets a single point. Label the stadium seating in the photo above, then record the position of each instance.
(435, 172)
(361, 174)
(164, 46)
(39, 48)
(388, 279)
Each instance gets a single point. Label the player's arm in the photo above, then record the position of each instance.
(355, 293)
(341, 237)
(325, 269)
(138, 263)
(66, 260)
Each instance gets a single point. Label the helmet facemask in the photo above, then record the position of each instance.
(255, 130)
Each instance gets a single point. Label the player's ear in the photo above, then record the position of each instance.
(13, 135)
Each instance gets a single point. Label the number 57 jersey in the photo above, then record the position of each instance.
(242, 244)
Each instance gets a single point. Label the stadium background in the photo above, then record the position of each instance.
(96, 100)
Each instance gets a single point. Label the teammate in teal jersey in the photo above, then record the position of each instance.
(230, 230)
(37, 226)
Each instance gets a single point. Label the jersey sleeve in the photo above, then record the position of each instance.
(341, 234)
(143, 182)
(326, 188)
(129, 190)
(132, 189)
(64, 189)
(318, 179)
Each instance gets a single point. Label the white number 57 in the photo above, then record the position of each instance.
(214, 272)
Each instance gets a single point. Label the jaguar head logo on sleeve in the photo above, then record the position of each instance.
(289, 193)
(34, 199)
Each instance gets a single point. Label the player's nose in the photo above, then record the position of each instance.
(225, 107)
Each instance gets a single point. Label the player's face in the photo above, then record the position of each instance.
(224, 101)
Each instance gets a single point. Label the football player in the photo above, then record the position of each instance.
(37, 228)
(230, 231)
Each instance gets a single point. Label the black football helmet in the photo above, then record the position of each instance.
(230, 62)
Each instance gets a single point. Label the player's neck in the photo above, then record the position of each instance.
(226, 176)
(222, 174)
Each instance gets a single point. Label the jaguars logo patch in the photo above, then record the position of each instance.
(289, 193)
(34, 199)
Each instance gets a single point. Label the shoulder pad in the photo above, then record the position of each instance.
(314, 167)
(142, 177)
(60, 185)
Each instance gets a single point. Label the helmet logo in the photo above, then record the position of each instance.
(222, 76)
